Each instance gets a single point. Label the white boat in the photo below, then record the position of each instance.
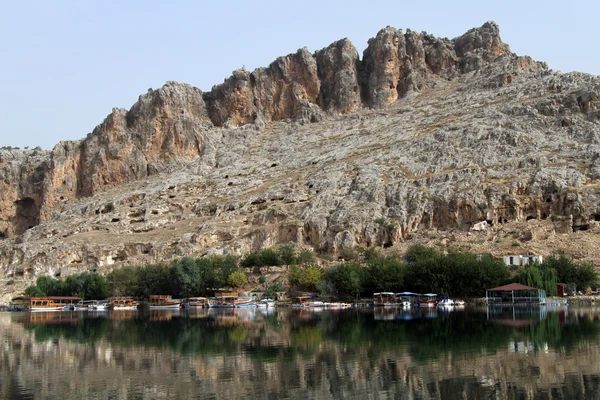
(446, 302)
(427, 300)
(301, 301)
(92, 305)
(384, 299)
(244, 302)
(266, 303)
(198, 302)
(123, 303)
(316, 304)
(163, 302)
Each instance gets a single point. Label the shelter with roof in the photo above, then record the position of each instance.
(515, 293)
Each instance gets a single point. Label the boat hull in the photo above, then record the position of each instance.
(59, 308)
(164, 307)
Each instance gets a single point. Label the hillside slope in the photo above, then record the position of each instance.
(419, 141)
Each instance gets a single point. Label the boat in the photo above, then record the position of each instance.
(198, 302)
(445, 302)
(459, 302)
(50, 303)
(123, 303)
(384, 299)
(407, 299)
(225, 300)
(427, 300)
(163, 302)
(244, 302)
(92, 305)
(301, 301)
(266, 303)
(316, 304)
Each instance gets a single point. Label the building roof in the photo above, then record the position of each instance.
(510, 287)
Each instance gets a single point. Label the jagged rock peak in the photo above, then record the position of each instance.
(171, 123)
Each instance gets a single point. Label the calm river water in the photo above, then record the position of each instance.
(471, 353)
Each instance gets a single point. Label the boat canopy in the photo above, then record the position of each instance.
(408, 294)
(430, 294)
(383, 294)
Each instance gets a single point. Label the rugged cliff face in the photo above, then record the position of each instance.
(327, 150)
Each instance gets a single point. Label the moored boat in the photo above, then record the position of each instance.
(445, 302)
(198, 302)
(301, 301)
(163, 302)
(123, 303)
(244, 302)
(427, 300)
(49, 303)
(384, 299)
(92, 305)
(266, 303)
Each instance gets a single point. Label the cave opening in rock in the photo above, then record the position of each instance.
(387, 245)
(27, 214)
(583, 227)
(596, 217)
(490, 222)
(2, 235)
(530, 217)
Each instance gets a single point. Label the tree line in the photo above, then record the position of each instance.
(421, 270)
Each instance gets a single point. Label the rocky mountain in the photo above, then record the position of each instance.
(448, 141)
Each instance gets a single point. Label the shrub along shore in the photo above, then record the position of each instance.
(361, 273)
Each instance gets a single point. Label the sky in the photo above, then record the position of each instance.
(66, 64)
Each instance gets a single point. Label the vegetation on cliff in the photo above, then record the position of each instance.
(421, 270)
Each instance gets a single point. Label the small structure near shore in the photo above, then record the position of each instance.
(515, 293)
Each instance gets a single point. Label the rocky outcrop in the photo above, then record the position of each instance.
(423, 134)
(21, 189)
(338, 66)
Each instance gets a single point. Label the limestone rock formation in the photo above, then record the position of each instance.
(422, 139)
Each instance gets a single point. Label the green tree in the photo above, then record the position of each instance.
(122, 281)
(237, 279)
(287, 254)
(306, 257)
(272, 291)
(33, 290)
(309, 277)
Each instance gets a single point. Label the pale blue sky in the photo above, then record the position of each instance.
(66, 64)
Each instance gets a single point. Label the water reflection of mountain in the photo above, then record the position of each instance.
(326, 355)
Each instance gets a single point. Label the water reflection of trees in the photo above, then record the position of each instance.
(463, 334)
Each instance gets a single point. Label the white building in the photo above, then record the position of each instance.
(521, 260)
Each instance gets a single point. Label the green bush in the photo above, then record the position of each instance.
(237, 279)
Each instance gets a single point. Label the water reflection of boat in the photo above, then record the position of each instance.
(163, 302)
(384, 314)
(163, 314)
(52, 318)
